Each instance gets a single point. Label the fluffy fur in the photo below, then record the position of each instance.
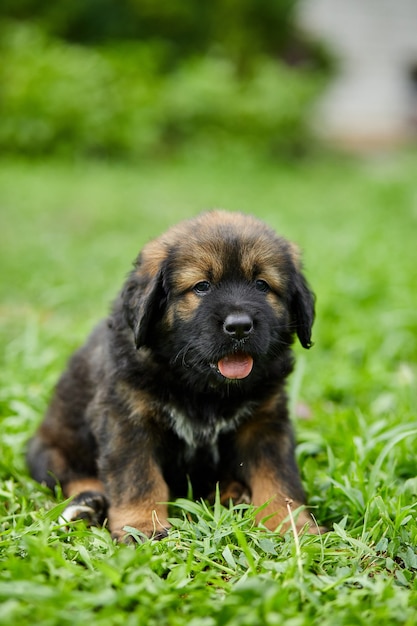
(184, 382)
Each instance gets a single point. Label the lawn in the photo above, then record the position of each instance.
(69, 232)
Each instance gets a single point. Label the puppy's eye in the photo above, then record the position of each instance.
(262, 285)
(202, 287)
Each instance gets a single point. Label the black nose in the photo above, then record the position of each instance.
(238, 325)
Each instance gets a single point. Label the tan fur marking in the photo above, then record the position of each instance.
(275, 279)
(139, 402)
(75, 487)
(295, 255)
(148, 517)
(153, 255)
(186, 307)
(197, 263)
(265, 487)
(149, 514)
(186, 277)
(253, 256)
(275, 304)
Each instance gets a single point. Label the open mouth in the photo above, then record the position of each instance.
(235, 366)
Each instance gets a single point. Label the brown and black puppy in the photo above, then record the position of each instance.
(184, 382)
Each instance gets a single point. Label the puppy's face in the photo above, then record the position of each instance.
(219, 298)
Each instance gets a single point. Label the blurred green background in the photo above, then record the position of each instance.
(129, 78)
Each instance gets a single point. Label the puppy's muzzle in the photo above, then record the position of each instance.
(238, 325)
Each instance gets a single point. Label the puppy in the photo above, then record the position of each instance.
(184, 383)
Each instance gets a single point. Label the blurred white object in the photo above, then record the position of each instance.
(372, 101)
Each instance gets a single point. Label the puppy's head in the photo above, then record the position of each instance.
(219, 297)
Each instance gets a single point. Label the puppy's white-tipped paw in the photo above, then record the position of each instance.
(89, 506)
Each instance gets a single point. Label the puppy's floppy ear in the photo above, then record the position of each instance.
(144, 299)
(302, 309)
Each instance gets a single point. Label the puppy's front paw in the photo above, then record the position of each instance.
(89, 506)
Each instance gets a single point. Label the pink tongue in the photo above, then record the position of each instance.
(235, 366)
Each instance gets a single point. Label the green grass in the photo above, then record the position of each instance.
(68, 235)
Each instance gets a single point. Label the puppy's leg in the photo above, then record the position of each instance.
(134, 484)
(265, 453)
(143, 506)
(268, 487)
